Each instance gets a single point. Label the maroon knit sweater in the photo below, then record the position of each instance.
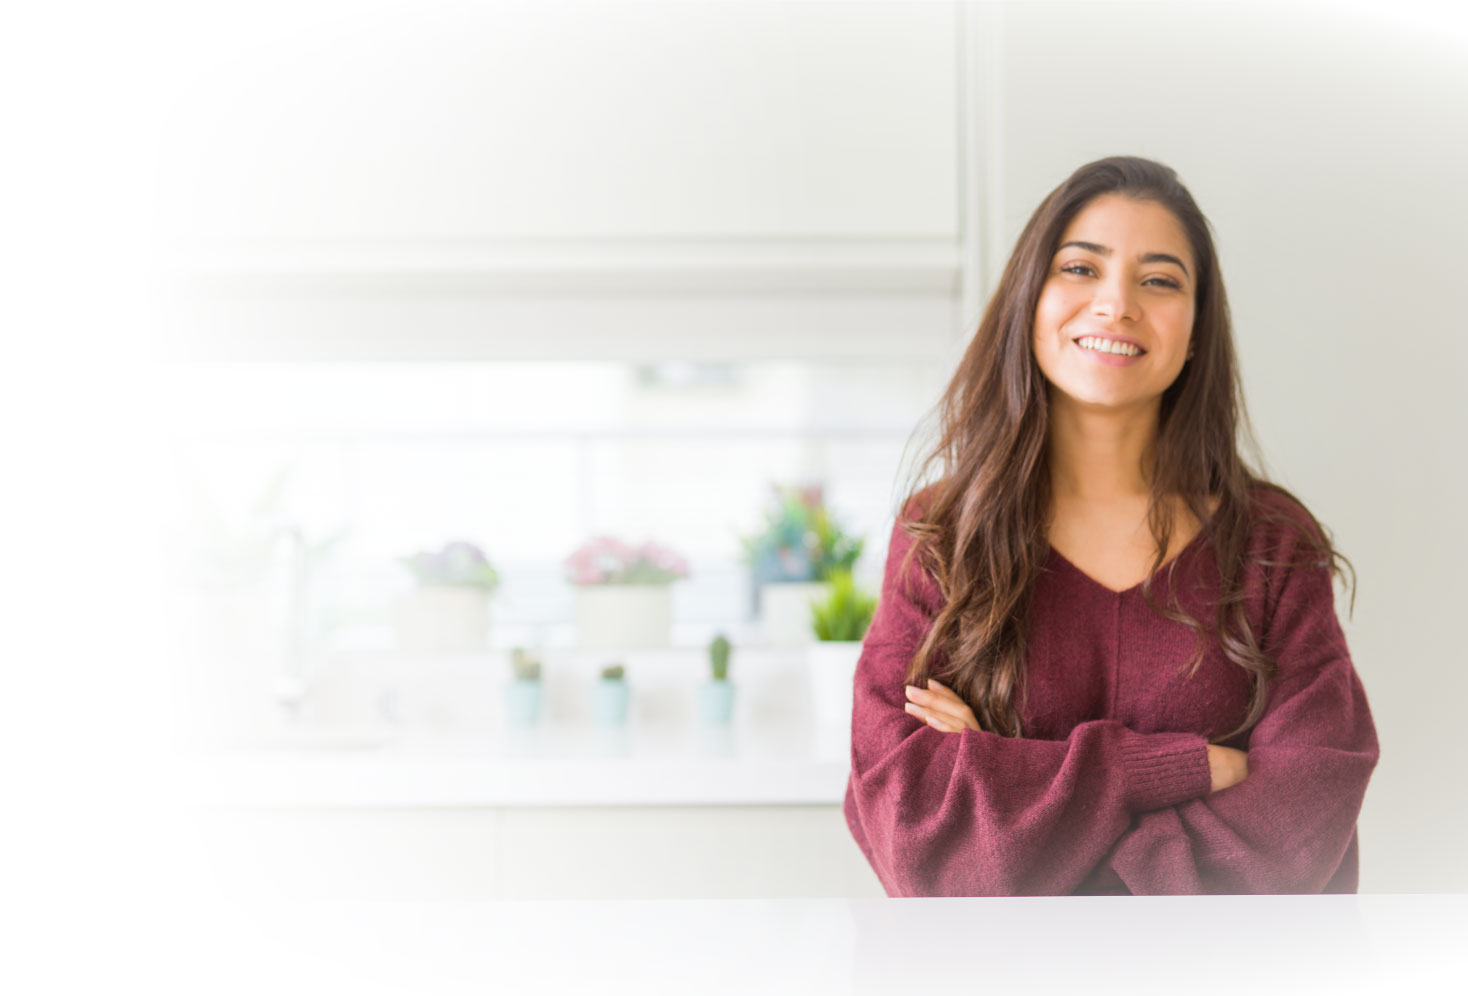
(1108, 792)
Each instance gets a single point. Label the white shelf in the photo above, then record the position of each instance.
(574, 266)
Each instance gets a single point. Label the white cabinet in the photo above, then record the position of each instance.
(604, 181)
(569, 131)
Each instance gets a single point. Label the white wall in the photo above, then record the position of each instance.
(1328, 145)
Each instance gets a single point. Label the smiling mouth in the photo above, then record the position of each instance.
(1080, 341)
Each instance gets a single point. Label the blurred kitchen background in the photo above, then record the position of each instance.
(495, 282)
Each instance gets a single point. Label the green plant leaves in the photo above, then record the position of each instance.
(846, 614)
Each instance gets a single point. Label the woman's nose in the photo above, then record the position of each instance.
(1113, 300)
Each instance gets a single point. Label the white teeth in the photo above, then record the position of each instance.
(1108, 346)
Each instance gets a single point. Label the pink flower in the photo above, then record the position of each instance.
(608, 560)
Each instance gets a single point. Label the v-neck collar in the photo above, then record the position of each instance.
(1057, 555)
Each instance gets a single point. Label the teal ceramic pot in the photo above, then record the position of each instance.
(716, 701)
(522, 701)
(610, 698)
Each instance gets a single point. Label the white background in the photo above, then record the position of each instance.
(1325, 142)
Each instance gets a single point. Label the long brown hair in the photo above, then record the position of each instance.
(981, 531)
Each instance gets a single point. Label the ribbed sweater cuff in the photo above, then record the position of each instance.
(1164, 769)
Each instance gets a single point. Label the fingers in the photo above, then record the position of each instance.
(938, 721)
(937, 688)
(940, 708)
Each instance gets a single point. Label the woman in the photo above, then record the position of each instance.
(1106, 658)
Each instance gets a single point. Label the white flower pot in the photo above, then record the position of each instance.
(442, 619)
(623, 616)
(785, 611)
(832, 669)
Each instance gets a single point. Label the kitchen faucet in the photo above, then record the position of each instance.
(294, 680)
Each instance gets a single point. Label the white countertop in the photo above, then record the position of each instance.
(1092, 944)
(546, 765)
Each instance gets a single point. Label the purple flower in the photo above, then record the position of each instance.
(458, 563)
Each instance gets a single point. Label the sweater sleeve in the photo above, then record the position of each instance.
(1287, 826)
(975, 813)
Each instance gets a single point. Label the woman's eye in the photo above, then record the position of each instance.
(1082, 268)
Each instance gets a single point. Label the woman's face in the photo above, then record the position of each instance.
(1124, 270)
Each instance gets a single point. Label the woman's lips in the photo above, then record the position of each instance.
(1110, 359)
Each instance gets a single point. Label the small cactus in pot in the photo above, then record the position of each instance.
(611, 695)
(716, 696)
(524, 693)
(525, 664)
(719, 657)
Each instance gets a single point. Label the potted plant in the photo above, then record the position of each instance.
(611, 696)
(716, 696)
(838, 624)
(449, 610)
(624, 598)
(792, 560)
(523, 693)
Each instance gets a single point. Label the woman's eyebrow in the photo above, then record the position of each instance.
(1151, 257)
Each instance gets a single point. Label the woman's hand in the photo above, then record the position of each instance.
(1228, 765)
(940, 707)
